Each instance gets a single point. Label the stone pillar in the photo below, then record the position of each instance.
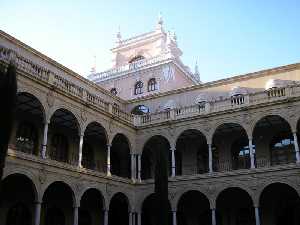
(130, 218)
(174, 218)
(105, 217)
(37, 213)
(173, 162)
(139, 167)
(139, 219)
(296, 147)
(108, 161)
(132, 167)
(80, 151)
(213, 217)
(210, 158)
(45, 138)
(133, 219)
(252, 159)
(75, 215)
(257, 217)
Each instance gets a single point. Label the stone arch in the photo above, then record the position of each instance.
(228, 121)
(87, 188)
(182, 129)
(71, 111)
(242, 187)
(36, 97)
(124, 135)
(75, 196)
(179, 194)
(119, 208)
(261, 116)
(31, 179)
(148, 155)
(259, 192)
(85, 126)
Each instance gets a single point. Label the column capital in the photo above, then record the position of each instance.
(250, 138)
(173, 148)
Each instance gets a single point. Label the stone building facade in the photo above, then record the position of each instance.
(83, 154)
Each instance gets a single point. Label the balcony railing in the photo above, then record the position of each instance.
(72, 87)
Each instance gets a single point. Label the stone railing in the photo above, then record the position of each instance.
(47, 76)
(234, 102)
(128, 68)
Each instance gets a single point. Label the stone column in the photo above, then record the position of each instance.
(252, 159)
(37, 213)
(105, 217)
(296, 147)
(45, 138)
(257, 217)
(174, 218)
(210, 158)
(130, 218)
(108, 161)
(133, 219)
(173, 162)
(80, 151)
(213, 217)
(139, 167)
(139, 219)
(75, 215)
(132, 156)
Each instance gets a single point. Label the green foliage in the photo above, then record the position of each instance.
(8, 96)
(161, 187)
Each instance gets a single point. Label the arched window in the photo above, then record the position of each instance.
(152, 84)
(136, 58)
(140, 110)
(282, 149)
(113, 91)
(59, 148)
(26, 139)
(138, 88)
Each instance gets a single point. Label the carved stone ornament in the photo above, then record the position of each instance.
(171, 130)
(50, 98)
(83, 115)
(168, 73)
(42, 175)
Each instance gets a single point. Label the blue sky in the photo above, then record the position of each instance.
(227, 38)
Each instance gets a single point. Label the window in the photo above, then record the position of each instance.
(59, 148)
(152, 85)
(140, 110)
(26, 139)
(282, 149)
(113, 91)
(138, 88)
(136, 58)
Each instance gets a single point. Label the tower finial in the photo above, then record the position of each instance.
(119, 36)
(196, 72)
(93, 69)
(159, 22)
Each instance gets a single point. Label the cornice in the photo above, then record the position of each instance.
(58, 65)
(247, 76)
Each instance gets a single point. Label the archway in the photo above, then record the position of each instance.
(191, 153)
(155, 143)
(274, 141)
(230, 148)
(58, 202)
(235, 207)
(120, 156)
(91, 208)
(94, 152)
(64, 137)
(193, 208)
(279, 205)
(149, 208)
(28, 125)
(118, 210)
(17, 198)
